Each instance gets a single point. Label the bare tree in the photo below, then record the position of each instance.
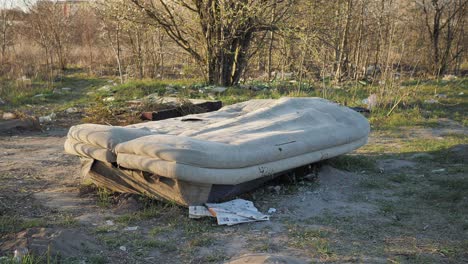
(7, 15)
(216, 33)
(444, 19)
(49, 27)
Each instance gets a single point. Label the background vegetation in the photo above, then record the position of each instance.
(230, 42)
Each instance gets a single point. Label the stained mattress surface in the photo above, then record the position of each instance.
(251, 139)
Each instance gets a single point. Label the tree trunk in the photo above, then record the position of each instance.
(344, 42)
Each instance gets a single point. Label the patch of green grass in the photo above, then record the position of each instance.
(97, 259)
(102, 229)
(373, 182)
(66, 220)
(408, 117)
(18, 95)
(201, 241)
(438, 146)
(439, 149)
(197, 227)
(157, 230)
(449, 197)
(127, 219)
(104, 197)
(164, 246)
(37, 258)
(447, 191)
(354, 163)
(152, 209)
(152, 212)
(214, 257)
(135, 89)
(387, 207)
(8, 224)
(313, 240)
(12, 224)
(30, 223)
(113, 240)
(398, 178)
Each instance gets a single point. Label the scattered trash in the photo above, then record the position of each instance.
(19, 254)
(8, 116)
(438, 171)
(229, 213)
(72, 110)
(47, 119)
(131, 228)
(196, 212)
(123, 248)
(449, 77)
(105, 88)
(425, 227)
(431, 101)
(110, 223)
(441, 95)
(170, 90)
(39, 95)
(109, 99)
(370, 101)
(219, 89)
(66, 89)
(25, 80)
(272, 210)
(461, 93)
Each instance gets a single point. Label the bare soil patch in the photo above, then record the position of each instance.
(401, 211)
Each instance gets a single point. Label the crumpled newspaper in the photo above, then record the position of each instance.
(229, 213)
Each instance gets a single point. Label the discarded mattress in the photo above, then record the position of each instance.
(239, 143)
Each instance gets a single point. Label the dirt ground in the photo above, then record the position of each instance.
(394, 201)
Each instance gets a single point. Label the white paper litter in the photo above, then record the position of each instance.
(196, 212)
(229, 213)
(131, 228)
